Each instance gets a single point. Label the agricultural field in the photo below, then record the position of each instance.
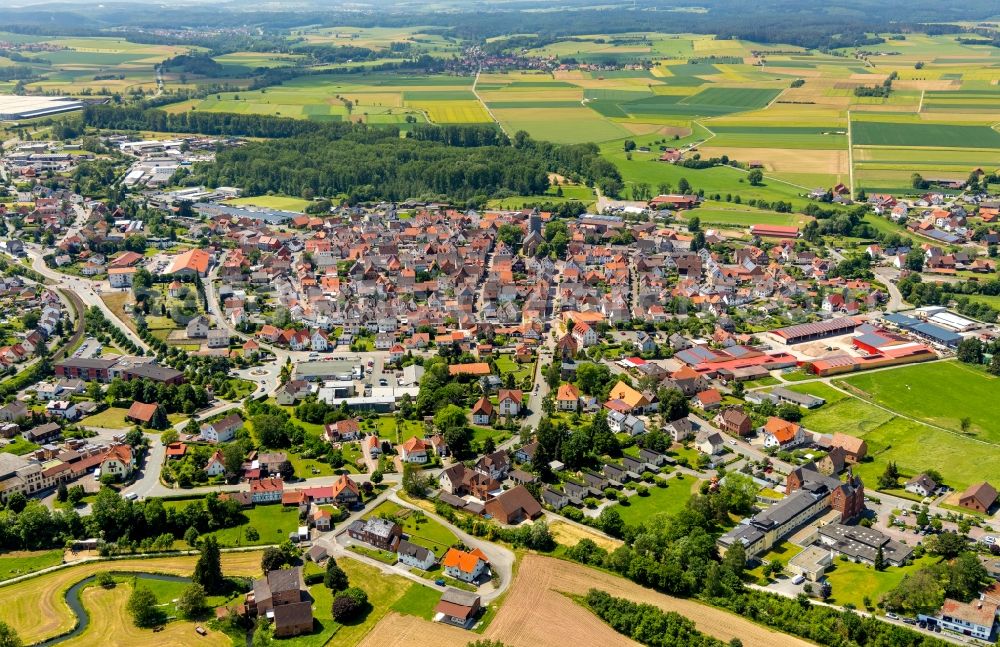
(906, 416)
(278, 202)
(940, 394)
(36, 609)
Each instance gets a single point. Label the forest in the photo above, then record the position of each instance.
(465, 165)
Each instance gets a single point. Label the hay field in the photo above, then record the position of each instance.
(112, 627)
(37, 610)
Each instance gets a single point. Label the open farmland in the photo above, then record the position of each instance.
(36, 608)
(873, 133)
(539, 611)
(940, 394)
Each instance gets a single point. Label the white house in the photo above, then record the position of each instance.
(222, 430)
(62, 409)
(121, 277)
(921, 485)
(198, 328)
(218, 338)
(319, 340)
(215, 465)
(415, 556)
(509, 402)
(584, 335)
(782, 434)
(709, 443)
(625, 423)
(464, 566)
(482, 412)
(413, 450)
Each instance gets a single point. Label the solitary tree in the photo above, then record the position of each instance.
(142, 607)
(208, 570)
(192, 601)
(755, 177)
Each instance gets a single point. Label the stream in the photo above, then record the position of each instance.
(82, 617)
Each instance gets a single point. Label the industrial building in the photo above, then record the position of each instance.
(813, 331)
(18, 107)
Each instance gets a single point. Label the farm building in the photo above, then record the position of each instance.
(813, 331)
(774, 231)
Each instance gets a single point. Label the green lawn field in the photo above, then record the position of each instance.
(669, 500)
(923, 134)
(941, 394)
(852, 583)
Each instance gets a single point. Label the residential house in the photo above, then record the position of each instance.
(568, 397)
(979, 497)
(855, 449)
(483, 412)
(466, 566)
(281, 595)
(458, 608)
(342, 430)
(625, 423)
(680, 429)
(514, 506)
(291, 392)
(266, 490)
(509, 402)
(782, 433)
(415, 556)
(414, 450)
(734, 421)
(921, 485)
(222, 430)
(216, 465)
(495, 465)
(377, 532)
(709, 443)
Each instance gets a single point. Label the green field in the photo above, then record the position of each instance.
(21, 563)
(923, 134)
(110, 418)
(279, 202)
(669, 500)
(940, 394)
(852, 583)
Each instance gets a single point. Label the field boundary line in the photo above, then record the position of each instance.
(920, 106)
(908, 417)
(850, 153)
(486, 107)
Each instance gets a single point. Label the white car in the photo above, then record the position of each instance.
(989, 540)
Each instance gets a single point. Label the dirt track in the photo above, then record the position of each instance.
(536, 613)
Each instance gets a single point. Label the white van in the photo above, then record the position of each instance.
(97, 474)
(798, 579)
(131, 496)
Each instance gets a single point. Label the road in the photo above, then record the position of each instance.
(87, 290)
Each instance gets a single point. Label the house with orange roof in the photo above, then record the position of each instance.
(215, 466)
(413, 450)
(190, 263)
(477, 369)
(482, 412)
(633, 400)
(782, 434)
(509, 401)
(119, 461)
(466, 566)
(568, 397)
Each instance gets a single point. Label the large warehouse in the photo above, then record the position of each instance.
(16, 107)
(819, 330)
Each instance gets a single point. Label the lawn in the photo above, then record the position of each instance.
(915, 447)
(506, 365)
(19, 446)
(668, 500)
(21, 562)
(110, 418)
(420, 529)
(280, 202)
(783, 552)
(418, 601)
(852, 583)
(941, 394)
(387, 428)
(273, 523)
(857, 416)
